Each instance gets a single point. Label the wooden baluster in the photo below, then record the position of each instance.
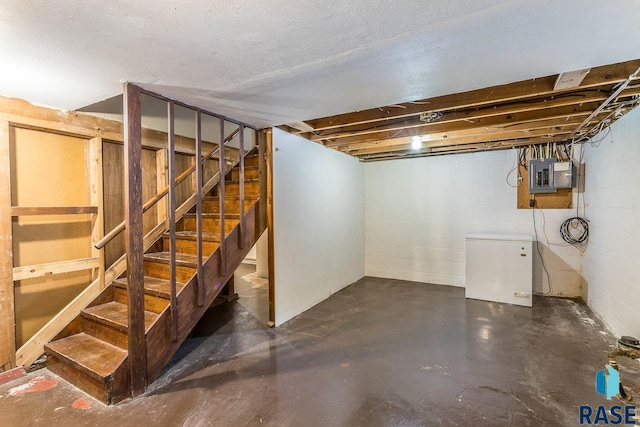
(172, 219)
(242, 225)
(199, 168)
(134, 237)
(222, 166)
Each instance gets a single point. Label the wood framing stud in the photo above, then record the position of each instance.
(7, 311)
(270, 230)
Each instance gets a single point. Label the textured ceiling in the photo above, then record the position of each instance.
(275, 62)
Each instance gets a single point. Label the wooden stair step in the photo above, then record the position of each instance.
(247, 167)
(214, 215)
(251, 160)
(116, 315)
(92, 356)
(192, 235)
(187, 242)
(251, 187)
(210, 223)
(230, 197)
(183, 260)
(250, 172)
(153, 286)
(231, 202)
(252, 181)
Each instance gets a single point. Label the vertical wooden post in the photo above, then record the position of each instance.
(262, 169)
(270, 231)
(161, 182)
(199, 166)
(223, 169)
(7, 310)
(134, 236)
(171, 144)
(241, 185)
(97, 199)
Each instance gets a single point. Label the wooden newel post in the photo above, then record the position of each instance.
(134, 236)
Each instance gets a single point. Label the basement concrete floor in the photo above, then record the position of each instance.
(378, 353)
(253, 292)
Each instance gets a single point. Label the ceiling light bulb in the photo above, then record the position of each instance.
(416, 142)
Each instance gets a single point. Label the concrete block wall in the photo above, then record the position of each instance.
(611, 263)
(418, 212)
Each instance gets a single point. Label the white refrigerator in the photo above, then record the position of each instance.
(499, 267)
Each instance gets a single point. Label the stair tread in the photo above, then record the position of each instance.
(187, 260)
(247, 167)
(213, 215)
(191, 235)
(153, 286)
(247, 180)
(117, 315)
(231, 197)
(89, 353)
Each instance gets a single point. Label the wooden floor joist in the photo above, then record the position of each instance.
(492, 118)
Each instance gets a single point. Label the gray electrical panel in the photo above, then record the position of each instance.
(546, 176)
(541, 176)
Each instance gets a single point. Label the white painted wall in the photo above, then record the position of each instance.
(318, 197)
(611, 265)
(418, 212)
(262, 256)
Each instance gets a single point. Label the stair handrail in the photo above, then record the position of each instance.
(155, 199)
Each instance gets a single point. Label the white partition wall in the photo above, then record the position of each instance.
(318, 198)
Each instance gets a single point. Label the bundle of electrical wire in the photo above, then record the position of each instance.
(575, 230)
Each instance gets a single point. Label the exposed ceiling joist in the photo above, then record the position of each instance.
(485, 119)
(571, 101)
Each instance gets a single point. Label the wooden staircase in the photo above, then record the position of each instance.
(91, 352)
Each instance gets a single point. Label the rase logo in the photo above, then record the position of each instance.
(601, 416)
(607, 384)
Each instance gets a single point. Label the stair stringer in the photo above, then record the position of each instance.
(159, 346)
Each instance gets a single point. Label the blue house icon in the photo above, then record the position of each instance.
(608, 382)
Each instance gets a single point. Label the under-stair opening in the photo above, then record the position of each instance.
(251, 281)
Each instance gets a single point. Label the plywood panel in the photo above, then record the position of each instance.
(149, 188)
(563, 199)
(113, 161)
(185, 189)
(48, 170)
(210, 168)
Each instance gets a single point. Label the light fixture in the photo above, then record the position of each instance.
(416, 142)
